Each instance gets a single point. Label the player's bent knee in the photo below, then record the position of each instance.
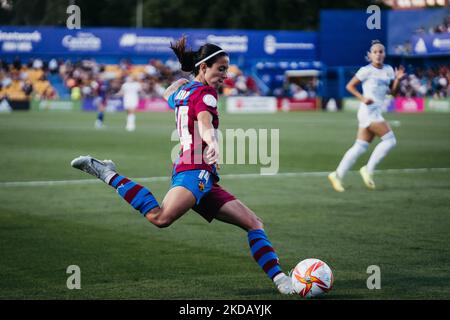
(162, 224)
(159, 221)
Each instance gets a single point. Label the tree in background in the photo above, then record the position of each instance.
(229, 14)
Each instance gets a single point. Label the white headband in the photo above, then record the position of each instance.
(208, 57)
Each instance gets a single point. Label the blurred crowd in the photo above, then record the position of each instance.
(305, 90)
(88, 78)
(442, 27)
(239, 84)
(19, 81)
(431, 82)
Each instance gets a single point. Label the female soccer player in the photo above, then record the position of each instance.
(194, 174)
(376, 78)
(100, 102)
(130, 91)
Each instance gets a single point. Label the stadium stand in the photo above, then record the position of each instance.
(36, 79)
(20, 82)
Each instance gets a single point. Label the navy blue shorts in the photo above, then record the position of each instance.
(209, 196)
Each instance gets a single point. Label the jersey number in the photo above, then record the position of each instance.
(183, 127)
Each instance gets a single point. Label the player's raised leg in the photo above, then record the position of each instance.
(136, 195)
(176, 202)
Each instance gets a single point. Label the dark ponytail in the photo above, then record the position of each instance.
(188, 58)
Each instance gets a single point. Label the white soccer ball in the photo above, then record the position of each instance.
(312, 278)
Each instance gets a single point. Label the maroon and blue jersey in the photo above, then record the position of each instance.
(188, 101)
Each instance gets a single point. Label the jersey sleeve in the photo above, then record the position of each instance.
(171, 100)
(205, 100)
(362, 74)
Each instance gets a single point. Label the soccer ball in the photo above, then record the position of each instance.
(312, 278)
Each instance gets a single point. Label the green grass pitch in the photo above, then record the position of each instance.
(402, 227)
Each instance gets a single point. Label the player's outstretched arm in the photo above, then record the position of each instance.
(173, 87)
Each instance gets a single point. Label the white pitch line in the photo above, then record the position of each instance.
(224, 176)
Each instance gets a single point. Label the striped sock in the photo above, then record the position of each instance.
(263, 253)
(139, 197)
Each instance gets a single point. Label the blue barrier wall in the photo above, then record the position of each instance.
(110, 43)
(344, 37)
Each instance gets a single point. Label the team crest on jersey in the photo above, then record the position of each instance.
(201, 186)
